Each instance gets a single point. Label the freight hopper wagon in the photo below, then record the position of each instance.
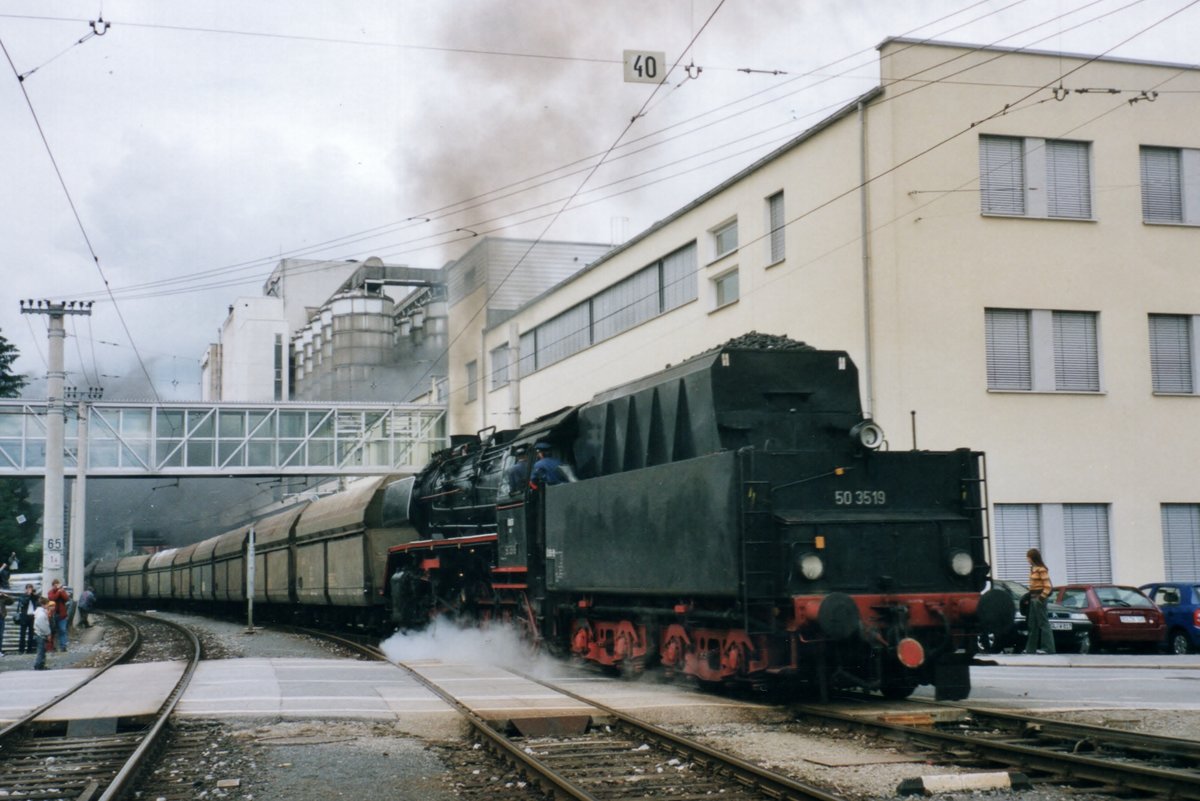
(731, 519)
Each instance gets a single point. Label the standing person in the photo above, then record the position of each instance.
(6, 569)
(546, 470)
(87, 601)
(1041, 639)
(5, 601)
(27, 604)
(41, 632)
(60, 596)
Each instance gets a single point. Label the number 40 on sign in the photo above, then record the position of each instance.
(645, 66)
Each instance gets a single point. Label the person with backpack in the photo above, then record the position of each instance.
(87, 602)
(27, 604)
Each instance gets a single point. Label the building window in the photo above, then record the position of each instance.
(1085, 536)
(1170, 185)
(725, 239)
(1042, 351)
(1076, 362)
(1181, 541)
(725, 289)
(499, 361)
(1077, 531)
(1018, 528)
(1008, 362)
(1031, 177)
(279, 367)
(776, 225)
(472, 380)
(656, 289)
(1172, 353)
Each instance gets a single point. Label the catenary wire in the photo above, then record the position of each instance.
(376, 249)
(75, 211)
(452, 207)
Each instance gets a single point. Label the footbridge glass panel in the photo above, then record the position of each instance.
(128, 439)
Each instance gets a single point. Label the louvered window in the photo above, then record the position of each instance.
(679, 278)
(625, 304)
(1076, 360)
(1002, 174)
(499, 360)
(1171, 353)
(1085, 535)
(1035, 177)
(1068, 180)
(1181, 541)
(527, 362)
(776, 221)
(472, 381)
(1018, 528)
(1162, 189)
(565, 335)
(1008, 355)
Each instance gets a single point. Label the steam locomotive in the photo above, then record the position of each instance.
(732, 519)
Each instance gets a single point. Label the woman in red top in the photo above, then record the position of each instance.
(1041, 639)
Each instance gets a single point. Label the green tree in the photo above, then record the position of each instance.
(18, 520)
(11, 383)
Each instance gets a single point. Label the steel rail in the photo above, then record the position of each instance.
(1162, 782)
(148, 738)
(1157, 744)
(154, 736)
(765, 781)
(125, 655)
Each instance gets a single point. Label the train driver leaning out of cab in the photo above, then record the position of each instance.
(546, 470)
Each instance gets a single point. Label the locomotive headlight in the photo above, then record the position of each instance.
(811, 566)
(962, 563)
(868, 434)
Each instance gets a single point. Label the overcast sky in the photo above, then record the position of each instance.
(201, 141)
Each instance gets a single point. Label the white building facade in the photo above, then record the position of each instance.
(1007, 250)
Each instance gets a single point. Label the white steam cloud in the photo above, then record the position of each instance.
(447, 642)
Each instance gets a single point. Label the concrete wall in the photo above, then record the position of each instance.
(248, 350)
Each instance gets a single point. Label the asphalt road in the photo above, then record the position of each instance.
(1095, 681)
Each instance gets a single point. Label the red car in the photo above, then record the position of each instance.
(1122, 617)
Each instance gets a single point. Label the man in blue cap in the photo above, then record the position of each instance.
(546, 470)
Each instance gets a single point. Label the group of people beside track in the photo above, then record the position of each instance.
(43, 621)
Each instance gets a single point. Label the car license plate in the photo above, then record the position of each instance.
(1060, 625)
(1133, 618)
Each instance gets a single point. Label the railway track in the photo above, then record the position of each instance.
(627, 758)
(1095, 757)
(93, 760)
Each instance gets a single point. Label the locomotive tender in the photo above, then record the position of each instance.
(729, 519)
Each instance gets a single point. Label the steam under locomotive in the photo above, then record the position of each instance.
(730, 519)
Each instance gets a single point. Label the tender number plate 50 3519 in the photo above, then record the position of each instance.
(1133, 618)
(859, 498)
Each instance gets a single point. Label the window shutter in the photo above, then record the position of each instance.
(1162, 190)
(1002, 174)
(1018, 528)
(679, 278)
(1181, 541)
(1171, 353)
(1068, 182)
(777, 227)
(1076, 364)
(499, 359)
(1008, 363)
(1086, 538)
(527, 361)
